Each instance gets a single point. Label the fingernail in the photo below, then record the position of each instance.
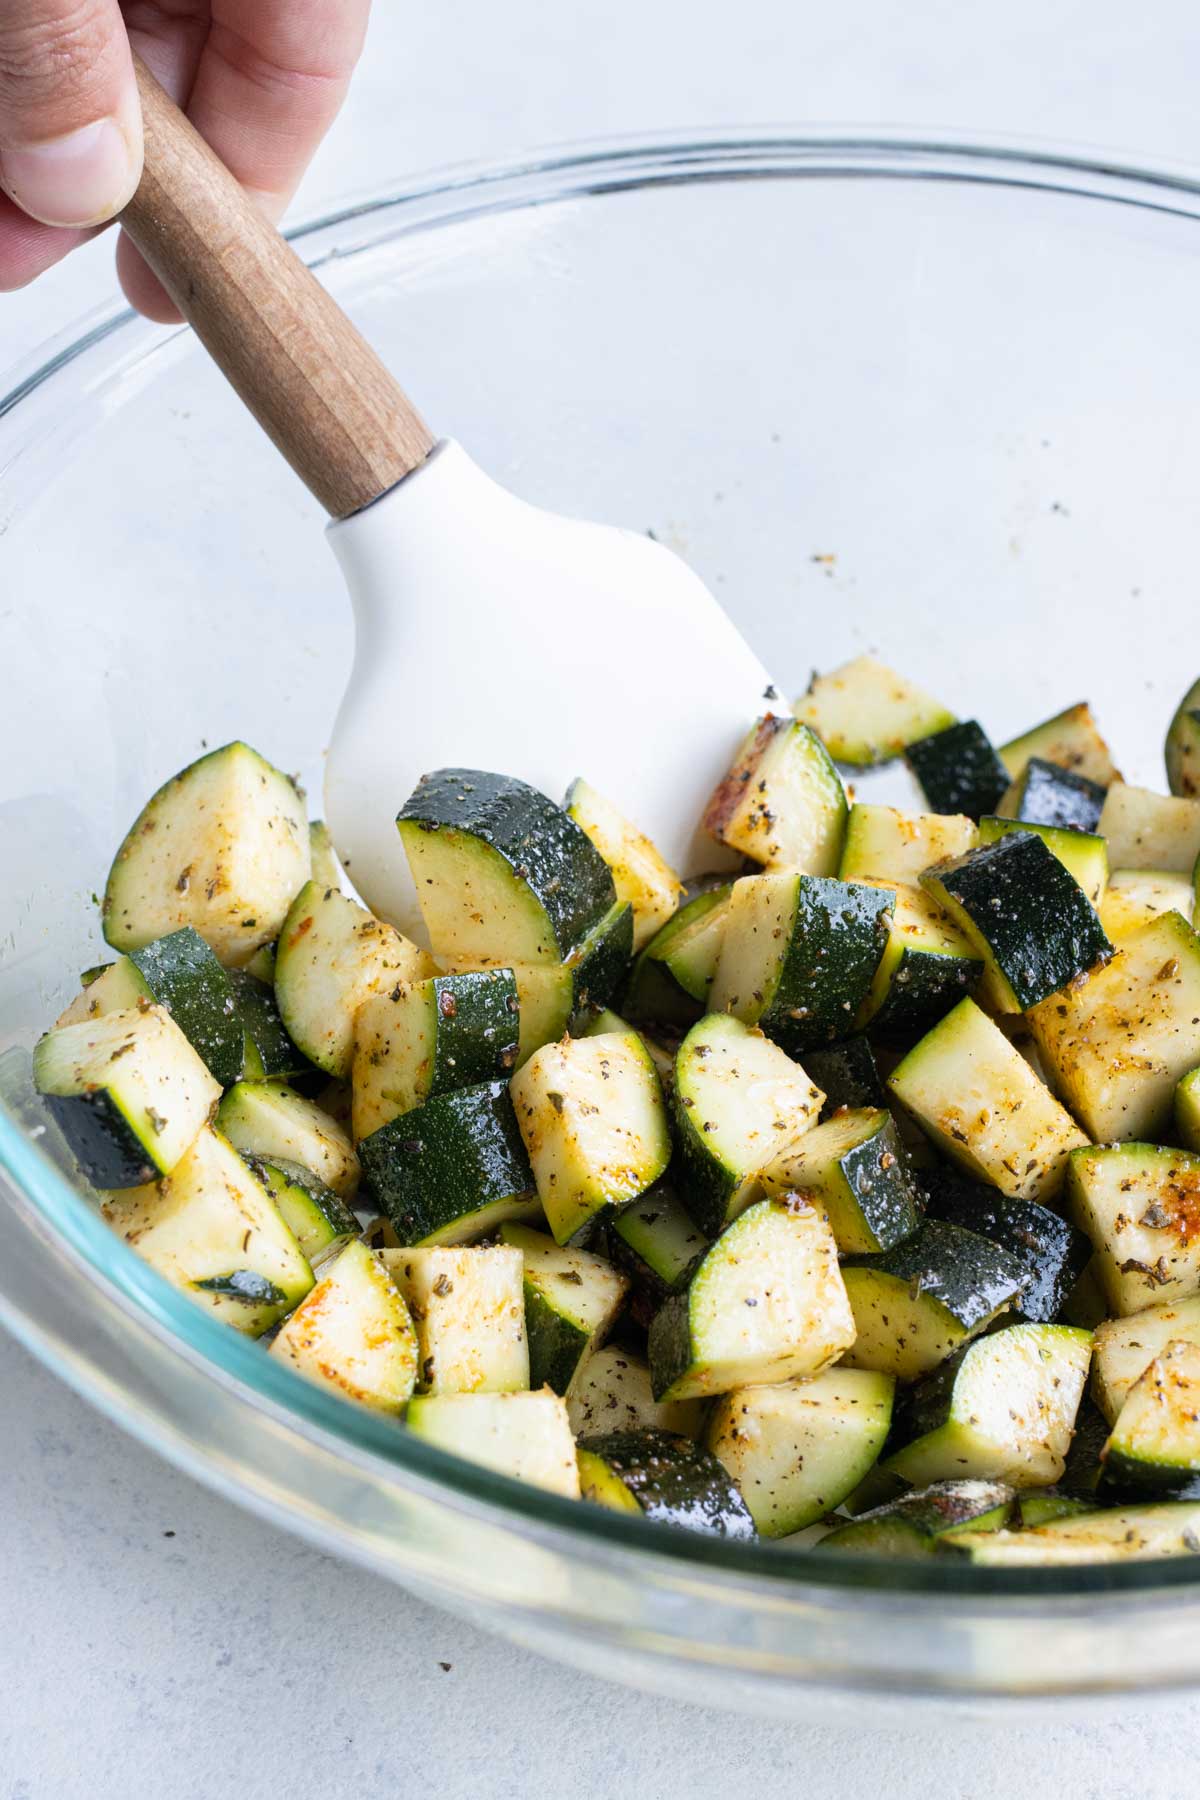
(80, 179)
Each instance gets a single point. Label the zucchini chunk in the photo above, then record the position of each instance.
(1070, 740)
(799, 955)
(1150, 831)
(958, 770)
(1082, 855)
(984, 1107)
(268, 1052)
(928, 964)
(664, 1477)
(782, 803)
(1135, 896)
(353, 1333)
(571, 1301)
(656, 1241)
(452, 1170)
(269, 1120)
(422, 1039)
(1155, 1443)
(737, 1101)
(1044, 794)
(312, 1212)
(1116, 1535)
(1002, 1409)
(1037, 1506)
(888, 846)
(915, 1304)
(865, 713)
(1052, 1254)
(640, 875)
(210, 1228)
(796, 1450)
(1140, 1205)
(611, 1392)
(672, 976)
(600, 964)
(467, 1305)
(591, 1113)
(766, 1303)
(326, 869)
(1187, 1110)
(1029, 919)
(502, 874)
(847, 1074)
(545, 1003)
(223, 846)
(332, 956)
(1116, 1045)
(855, 1168)
(128, 1092)
(1182, 748)
(917, 1523)
(527, 1436)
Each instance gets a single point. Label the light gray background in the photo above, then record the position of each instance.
(153, 1640)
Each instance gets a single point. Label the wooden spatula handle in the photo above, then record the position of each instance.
(313, 383)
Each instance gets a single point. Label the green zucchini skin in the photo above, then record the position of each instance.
(856, 1167)
(103, 1142)
(556, 1344)
(912, 1526)
(317, 1219)
(669, 980)
(846, 1074)
(656, 1242)
(1052, 1253)
(1044, 794)
(1182, 748)
(675, 1481)
(267, 1051)
(959, 770)
(1084, 1466)
(924, 987)
(477, 1028)
(970, 1276)
(600, 964)
(460, 1154)
(182, 974)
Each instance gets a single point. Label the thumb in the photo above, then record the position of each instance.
(70, 123)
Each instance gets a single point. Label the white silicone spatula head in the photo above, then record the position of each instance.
(491, 634)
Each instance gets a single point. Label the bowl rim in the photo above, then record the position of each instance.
(422, 203)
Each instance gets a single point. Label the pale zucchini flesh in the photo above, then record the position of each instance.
(467, 1305)
(1155, 1442)
(640, 874)
(1145, 830)
(269, 1119)
(782, 802)
(353, 1333)
(527, 1436)
(885, 844)
(1135, 896)
(1071, 739)
(611, 1392)
(1124, 1348)
(1140, 1205)
(866, 713)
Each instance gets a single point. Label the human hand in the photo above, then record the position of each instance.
(262, 80)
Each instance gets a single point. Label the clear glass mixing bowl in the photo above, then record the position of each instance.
(932, 398)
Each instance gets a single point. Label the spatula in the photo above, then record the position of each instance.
(490, 634)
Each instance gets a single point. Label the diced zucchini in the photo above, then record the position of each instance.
(611, 1392)
(766, 1303)
(737, 1101)
(917, 1523)
(1045, 794)
(571, 1301)
(1122, 1534)
(268, 1052)
(1070, 740)
(1037, 1506)
(222, 846)
(641, 876)
(527, 1436)
(452, 1170)
(600, 964)
(958, 769)
(799, 955)
(1186, 1110)
(673, 974)
(855, 1168)
(1182, 748)
(1155, 1443)
(1052, 1254)
(262, 964)
(885, 845)
(591, 1113)
(927, 966)
(782, 802)
(503, 875)
(545, 1003)
(467, 1306)
(424, 1038)
(128, 1091)
(1135, 896)
(1084, 1467)
(353, 1333)
(1150, 831)
(847, 1074)
(915, 1304)
(796, 1450)
(656, 1241)
(985, 1108)
(326, 868)
(664, 1477)
(1116, 1044)
(1140, 1205)
(312, 1212)
(865, 713)
(1082, 855)
(333, 956)
(268, 1119)
(211, 1229)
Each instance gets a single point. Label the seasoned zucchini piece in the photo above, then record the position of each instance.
(1116, 1535)
(222, 846)
(1029, 919)
(1083, 856)
(316, 1218)
(353, 1333)
(591, 1113)
(1084, 1467)
(128, 1092)
(1182, 748)
(326, 869)
(611, 1392)
(847, 1074)
(527, 1436)
(571, 1301)
(1116, 1045)
(502, 874)
(927, 966)
(1002, 1409)
(1135, 896)
(865, 713)
(1187, 1110)
(958, 770)
(640, 875)
(1052, 1254)
(737, 1101)
(914, 1304)
(665, 1477)
(1070, 740)
(467, 1305)
(333, 956)
(545, 1003)
(673, 974)
(599, 966)
(267, 1049)
(887, 846)
(1155, 1443)
(856, 1169)
(1140, 1205)
(1044, 794)
(1037, 1506)
(917, 1523)
(782, 803)
(422, 1039)
(212, 1231)
(985, 1108)
(765, 1304)
(267, 1119)
(799, 955)
(796, 1450)
(656, 1241)
(1150, 831)
(452, 1170)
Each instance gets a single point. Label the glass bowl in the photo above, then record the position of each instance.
(935, 399)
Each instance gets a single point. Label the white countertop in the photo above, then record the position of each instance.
(155, 1640)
